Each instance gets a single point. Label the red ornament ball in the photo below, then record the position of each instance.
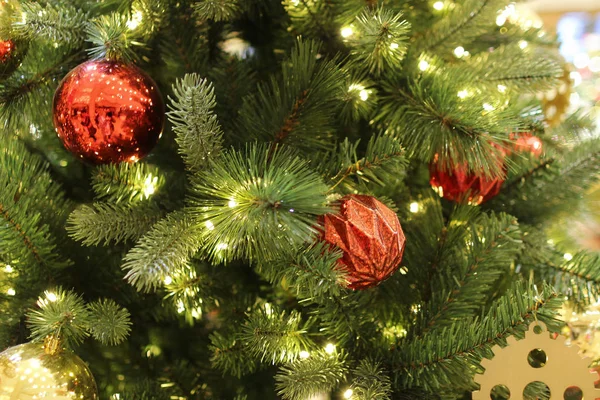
(7, 48)
(370, 235)
(11, 54)
(108, 112)
(526, 142)
(462, 186)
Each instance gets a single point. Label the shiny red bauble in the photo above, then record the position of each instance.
(11, 54)
(462, 186)
(7, 48)
(370, 236)
(526, 142)
(108, 112)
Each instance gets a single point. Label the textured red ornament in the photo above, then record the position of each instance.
(464, 186)
(526, 142)
(370, 235)
(6, 50)
(108, 112)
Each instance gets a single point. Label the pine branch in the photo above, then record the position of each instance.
(276, 336)
(127, 182)
(64, 24)
(298, 107)
(303, 378)
(218, 10)
(438, 361)
(230, 355)
(162, 251)
(109, 323)
(113, 38)
(190, 290)
(380, 41)
(257, 203)
(371, 382)
(198, 132)
(104, 223)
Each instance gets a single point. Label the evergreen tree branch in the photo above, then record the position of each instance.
(218, 10)
(112, 38)
(371, 382)
(198, 132)
(64, 24)
(103, 223)
(127, 182)
(109, 323)
(229, 355)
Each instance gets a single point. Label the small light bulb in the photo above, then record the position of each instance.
(51, 296)
(348, 394)
(423, 65)
(438, 5)
(500, 20)
(568, 256)
(304, 354)
(11, 292)
(488, 107)
(150, 185)
(501, 88)
(168, 280)
(414, 207)
(394, 46)
(523, 44)
(347, 31)
(232, 203)
(364, 95)
(459, 51)
(135, 20)
(9, 269)
(463, 93)
(330, 348)
(209, 225)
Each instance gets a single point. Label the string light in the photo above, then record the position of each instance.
(209, 225)
(304, 354)
(523, 44)
(348, 394)
(9, 269)
(51, 296)
(568, 256)
(463, 94)
(501, 88)
(488, 107)
(423, 65)
(150, 185)
(168, 280)
(459, 51)
(414, 207)
(438, 5)
(11, 292)
(394, 46)
(363, 94)
(232, 203)
(347, 31)
(330, 348)
(135, 21)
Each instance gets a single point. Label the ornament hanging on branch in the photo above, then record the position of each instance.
(536, 363)
(108, 112)
(11, 54)
(463, 186)
(370, 236)
(44, 371)
(526, 142)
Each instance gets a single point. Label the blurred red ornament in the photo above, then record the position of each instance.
(108, 112)
(11, 55)
(526, 142)
(463, 186)
(6, 50)
(370, 235)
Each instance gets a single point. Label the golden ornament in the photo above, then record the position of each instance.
(537, 360)
(43, 371)
(556, 101)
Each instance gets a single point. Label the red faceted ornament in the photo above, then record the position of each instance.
(370, 235)
(6, 50)
(464, 186)
(526, 142)
(108, 112)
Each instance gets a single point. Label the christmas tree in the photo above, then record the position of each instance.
(257, 199)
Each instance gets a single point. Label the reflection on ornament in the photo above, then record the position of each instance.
(28, 372)
(536, 361)
(108, 112)
(526, 142)
(370, 235)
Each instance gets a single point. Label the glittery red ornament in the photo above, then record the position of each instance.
(464, 186)
(526, 142)
(6, 50)
(108, 112)
(370, 235)
(11, 54)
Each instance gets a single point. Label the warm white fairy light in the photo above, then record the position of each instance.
(414, 207)
(394, 45)
(346, 32)
(9, 269)
(568, 256)
(150, 185)
(168, 280)
(502, 88)
(11, 292)
(209, 225)
(221, 246)
(438, 5)
(135, 21)
(423, 65)
(304, 354)
(463, 94)
(330, 348)
(232, 203)
(459, 51)
(51, 296)
(488, 107)
(348, 394)
(363, 93)
(523, 44)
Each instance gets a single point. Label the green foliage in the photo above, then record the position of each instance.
(112, 38)
(105, 223)
(275, 336)
(297, 108)
(125, 182)
(64, 24)
(28, 200)
(230, 355)
(199, 135)
(256, 203)
(319, 373)
(112, 322)
(358, 102)
(165, 249)
(311, 273)
(438, 360)
(371, 382)
(218, 10)
(381, 40)
(64, 315)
